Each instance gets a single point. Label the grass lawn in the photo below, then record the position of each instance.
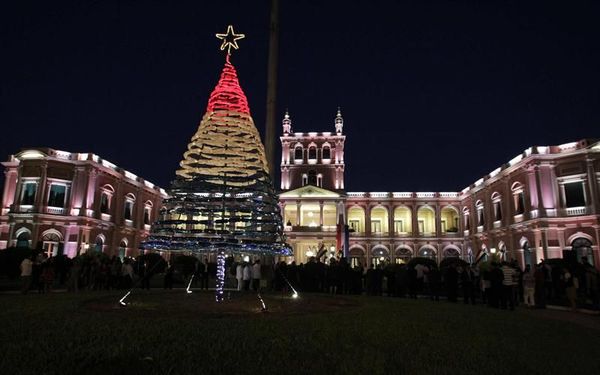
(174, 333)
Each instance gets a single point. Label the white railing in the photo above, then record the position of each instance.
(379, 195)
(533, 214)
(575, 211)
(425, 195)
(357, 195)
(402, 195)
(448, 195)
(56, 210)
(63, 155)
(480, 229)
(497, 224)
(89, 212)
(518, 218)
(466, 232)
(128, 222)
(105, 217)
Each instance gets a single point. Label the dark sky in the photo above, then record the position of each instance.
(434, 94)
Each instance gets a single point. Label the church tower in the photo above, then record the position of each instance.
(312, 158)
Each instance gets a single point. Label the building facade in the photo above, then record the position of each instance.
(70, 203)
(542, 204)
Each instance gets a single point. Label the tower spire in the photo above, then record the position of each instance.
(339, 122)
(287, 123)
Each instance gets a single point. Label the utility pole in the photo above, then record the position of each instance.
(272, 88)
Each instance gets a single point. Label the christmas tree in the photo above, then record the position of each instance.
(222, 200)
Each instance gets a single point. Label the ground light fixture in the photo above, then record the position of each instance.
(187, 290)
(122, 300)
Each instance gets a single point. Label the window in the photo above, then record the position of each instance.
(574, 194)
(312, 178)
(480, 214)
(104, 203)
(398, 226)
(298, 153)
(354, 225)
(23, 239)
(147, 216)
(326, 153)
(320, 180)
(497, 211)
(519, 203)
(128, 209)
(56, 198)
(312, 153)
(376, 226)
(28, 193)
(99, 245)
(50, 244)
(304, 179)
(518, 198)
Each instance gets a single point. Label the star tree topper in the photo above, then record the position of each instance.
(230, 39)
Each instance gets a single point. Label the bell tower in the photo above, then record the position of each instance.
(312, 158)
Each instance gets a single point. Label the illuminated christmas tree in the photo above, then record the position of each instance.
(222, 200)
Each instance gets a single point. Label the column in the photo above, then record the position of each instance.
(438, 220)
(538, 188)
(593, 187)
(545, 242)
(391, 229)
(298, 212)
(40, 197)
(368, 220)
(321, 213)
(10, 191)
(415, 220)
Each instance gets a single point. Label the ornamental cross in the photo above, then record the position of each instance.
(230, 39)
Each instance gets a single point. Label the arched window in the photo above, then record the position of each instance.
(147, 212)
(497, 202)
(320, 180)
(326, 152)
(312, 152)
(298, 153)
(304, 179)
(467, 220)
(582, 247)
(312, 178)
(129, 201)
(99, 245)
(51, 242)
(23, 239)
(105, 198)
(122, 249)
(518, 198)
(480, 214)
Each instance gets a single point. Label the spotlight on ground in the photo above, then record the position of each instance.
(295, 295)
(122, 300)
(188, 291)
(262, 302)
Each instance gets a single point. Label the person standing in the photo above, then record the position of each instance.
(529, 287)
(571, 285)
(256, 276)
(26, 270)
(508, 297)
(247, 275)
(239, 275)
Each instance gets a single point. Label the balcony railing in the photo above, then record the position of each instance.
(497, 224)
(128, 222)
(105, 217)
(575, 211)
(56, 210)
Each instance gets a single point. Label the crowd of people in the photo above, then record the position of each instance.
(496, 284)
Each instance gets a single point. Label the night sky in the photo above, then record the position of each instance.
(434, 94)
